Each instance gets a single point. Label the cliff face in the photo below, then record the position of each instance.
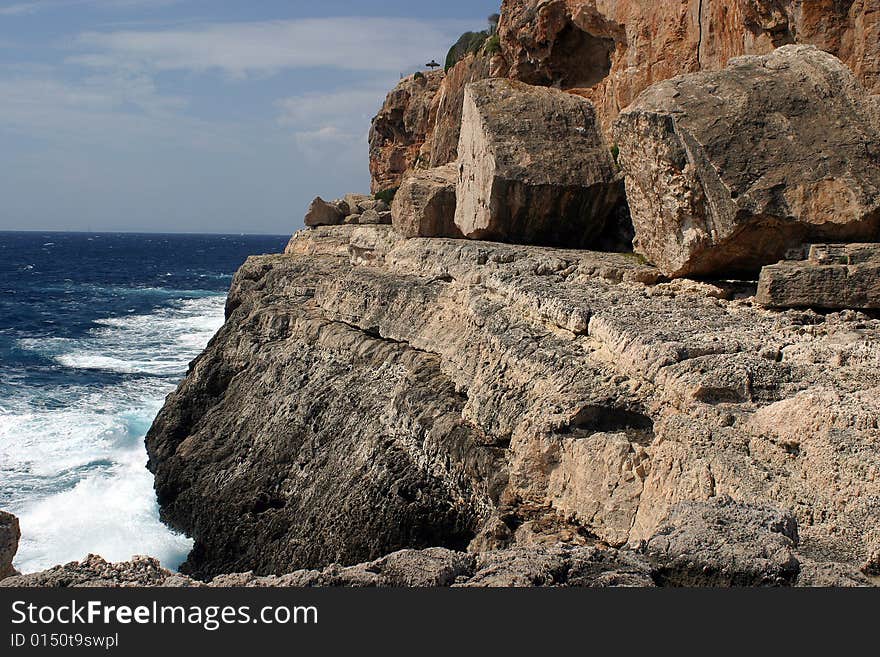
(419, 123)
(370, 393)
(447, 108)
(379, 393)
(302, 438)
(400, 129)
(612, 50)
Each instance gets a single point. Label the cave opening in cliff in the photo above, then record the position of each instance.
(580, 59)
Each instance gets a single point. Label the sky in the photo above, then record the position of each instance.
(220, 116)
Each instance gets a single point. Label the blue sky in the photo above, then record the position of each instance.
(199, 115)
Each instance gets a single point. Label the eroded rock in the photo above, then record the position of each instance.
(833, 276)
(727, 171)
(722, 543)
(400, 129)
(322, 213)
(424, 206)
(442, 144)
(611, 51)
(533, 167)
(9, 537)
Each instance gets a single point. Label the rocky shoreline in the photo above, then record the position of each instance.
(715, 543)
(478, 384)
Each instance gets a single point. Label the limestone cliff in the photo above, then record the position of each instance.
(379, 410)
(612, 50)
(400, 129)
(370, 393)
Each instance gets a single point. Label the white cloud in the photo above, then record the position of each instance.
(110, 111)
(337, 116)
(20, 8)
(241, 49)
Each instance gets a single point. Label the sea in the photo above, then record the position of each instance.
(95, 331)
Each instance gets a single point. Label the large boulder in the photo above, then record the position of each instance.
(322, 213)
(424, 206)
(727, 171)
(9, 536)
(533, 167)
(720, 542)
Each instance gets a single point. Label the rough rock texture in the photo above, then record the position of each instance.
(424, 206)
(834, 276)
(533, 167)
(9, 535)
(441, 146)
(400, 129)
(725, 544)
(432, 567)
(714, 543)
(612, 50)
(321, 213)
(440, 392)
(347, 446)
(93, 571)
(726, 171)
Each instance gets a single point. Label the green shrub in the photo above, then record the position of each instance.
(418, 76)
(492, 45)
(615, 152)
(386, 195)
(469, 42)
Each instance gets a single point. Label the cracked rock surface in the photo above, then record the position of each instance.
(446, 393)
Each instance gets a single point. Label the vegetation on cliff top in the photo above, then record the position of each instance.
(472, 42)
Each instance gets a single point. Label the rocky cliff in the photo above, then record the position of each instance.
(610, 51)
(9, 537)
(380, 393)
(401, 127)
(404, 403)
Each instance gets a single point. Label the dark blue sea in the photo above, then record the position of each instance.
(95, 331)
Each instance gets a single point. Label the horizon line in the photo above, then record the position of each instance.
(139, 232)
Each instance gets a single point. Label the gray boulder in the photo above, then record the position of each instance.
(357, 203)
(727, 170)
(721, 542)
(424, 206)
(533, 167)
(373, 217)
(833, 276)
(322, 213)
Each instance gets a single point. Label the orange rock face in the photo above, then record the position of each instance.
(419, 124)
(611, 50)
(399, 129)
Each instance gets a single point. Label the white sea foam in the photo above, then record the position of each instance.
(72, 458)
(161, 343)
(110, 512)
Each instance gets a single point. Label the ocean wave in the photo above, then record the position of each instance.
(111, 512)
(160, 343)
(72, 457)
